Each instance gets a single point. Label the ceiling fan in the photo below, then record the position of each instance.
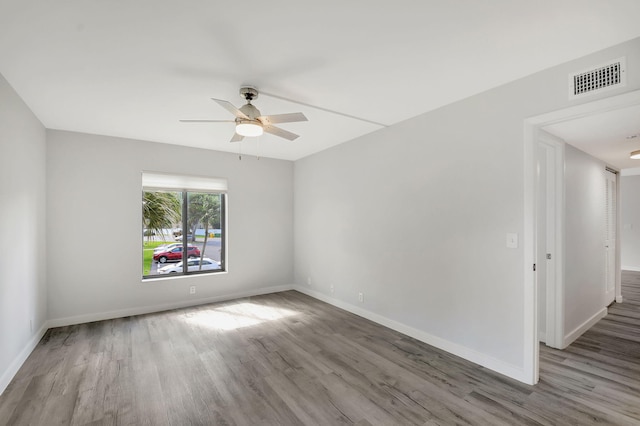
(249, 121)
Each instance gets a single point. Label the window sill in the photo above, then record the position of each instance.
(178, 277)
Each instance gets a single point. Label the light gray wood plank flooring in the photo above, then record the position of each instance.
(288, 359)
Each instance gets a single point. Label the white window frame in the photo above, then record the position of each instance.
(185, 184)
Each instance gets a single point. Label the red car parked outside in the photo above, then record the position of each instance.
(175, 254)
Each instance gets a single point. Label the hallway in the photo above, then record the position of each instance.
(602, 368)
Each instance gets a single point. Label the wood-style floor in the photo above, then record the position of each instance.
(287, 359)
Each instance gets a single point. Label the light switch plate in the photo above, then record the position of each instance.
(512, 240)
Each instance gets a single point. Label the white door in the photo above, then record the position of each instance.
(541, 240)
(548, 237)
(610, 237)
(546, 240)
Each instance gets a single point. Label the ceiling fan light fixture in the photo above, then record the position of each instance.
(635, 155)
(249, 128)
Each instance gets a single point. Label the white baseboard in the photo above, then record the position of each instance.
(8, 375)
(579, 331)
(139, 310)
(631, 268)
(15, 365)
(484, 360)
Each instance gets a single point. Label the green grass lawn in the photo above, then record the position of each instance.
(147, 254)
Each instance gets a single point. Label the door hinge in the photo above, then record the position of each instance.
(534, 267)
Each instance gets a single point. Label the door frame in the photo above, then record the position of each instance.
(609, 173)
(618, 242)
(532, 127)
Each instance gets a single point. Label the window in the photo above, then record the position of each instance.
(179, 212)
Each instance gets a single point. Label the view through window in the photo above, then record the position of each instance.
(181, 228)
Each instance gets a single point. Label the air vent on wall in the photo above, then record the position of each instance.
(597, 79)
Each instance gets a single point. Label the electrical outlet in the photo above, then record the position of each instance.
(308, 281)
(360, 297)
(331, 288)
(192, 289)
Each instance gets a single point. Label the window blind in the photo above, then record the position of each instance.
(162, 181)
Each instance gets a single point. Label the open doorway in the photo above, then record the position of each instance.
(535, 133)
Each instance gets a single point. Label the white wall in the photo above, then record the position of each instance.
(23, 292)
(446, 186)
(94, 183)
(584, 289)
(630, 226)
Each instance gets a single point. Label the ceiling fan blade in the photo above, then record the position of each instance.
(206, 121)
(280, 132)
(236, 138)
(232, 109)
(283, 118)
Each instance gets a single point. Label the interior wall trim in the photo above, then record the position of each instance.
(17, 362)
(140, 310)
(469, 354)
(579, 331)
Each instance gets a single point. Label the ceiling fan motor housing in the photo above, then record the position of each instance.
(250, 111)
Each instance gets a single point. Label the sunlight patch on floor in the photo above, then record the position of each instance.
(237, 316)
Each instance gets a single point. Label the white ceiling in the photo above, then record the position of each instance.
(133, 68)
(610, 136)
